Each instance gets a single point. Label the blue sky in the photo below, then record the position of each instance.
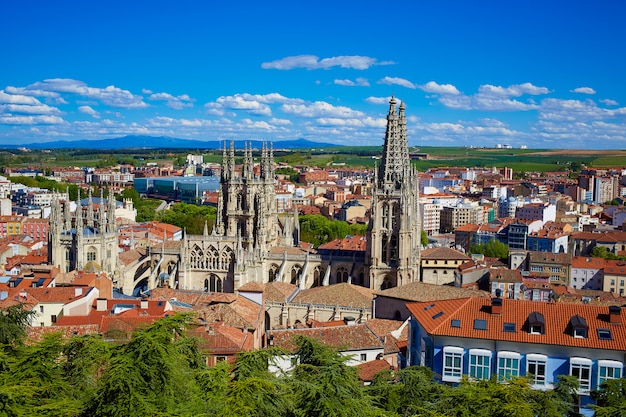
(545, 74)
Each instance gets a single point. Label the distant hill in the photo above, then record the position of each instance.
(153, 142)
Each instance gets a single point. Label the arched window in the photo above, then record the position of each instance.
(296, 271)
(342, 274)
(216, 284)
(91, 254)
(272, 273)
(206, 285)
(316, 277)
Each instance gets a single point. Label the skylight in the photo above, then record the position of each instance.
(480, 324)
(605, 334)
(456, 323)
(509, 327)
(436, 316)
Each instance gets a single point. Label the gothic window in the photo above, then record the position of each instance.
(206, 285)
(212, 258)
(272, 273)
(226, 258)
(296, 271)
(67, 254)
(342, 274)
(91, 254)
(216, 284)
(393, 248)
(316, 277)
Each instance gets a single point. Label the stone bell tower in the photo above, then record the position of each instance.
(394, 230)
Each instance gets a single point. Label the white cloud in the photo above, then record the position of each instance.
(397, 81)
(576, 110)
(312, 62)
(280, 122)
(378, 100)
(359, 82)
(514, 90)
(30, 120)
(17, 99)
(320, 109)
(364, 122)
(173, 102)
(32, 92)
(433, 87)
(583, 90)
(111, 95)
(89, 110)
(609, 102)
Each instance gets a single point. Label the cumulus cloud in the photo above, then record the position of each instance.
(433, 87)
(111, 95)
(514, 90)
(320, 109)
(359, 82)
(173, 102)
(378, 100)
(17, 99)
(30, 120)
(583, 90)
(576, 110)
(90, 111)
(609, 102)
(397, 81)
(312, 62)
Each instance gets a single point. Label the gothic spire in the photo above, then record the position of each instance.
(395, 163)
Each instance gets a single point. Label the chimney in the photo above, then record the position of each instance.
(496, 306)
(144, 304)
(349, 321)
(101, 304)
(615, 315)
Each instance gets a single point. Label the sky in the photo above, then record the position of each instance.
(540, 74)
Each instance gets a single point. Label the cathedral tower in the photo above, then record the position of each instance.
(393, 234)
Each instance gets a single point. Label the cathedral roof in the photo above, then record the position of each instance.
(421, 291)
(278, 291)
(342, 295)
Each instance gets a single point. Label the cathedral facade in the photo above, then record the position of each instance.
(251, 242)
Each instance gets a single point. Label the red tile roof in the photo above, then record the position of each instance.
(444, 254)
(354, 337)
(436, 319)
(349, 243)
(368, 370)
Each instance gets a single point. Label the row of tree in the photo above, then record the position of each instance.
(162, 372)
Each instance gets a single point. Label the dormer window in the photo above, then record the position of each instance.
(579, 326)
(536, 323)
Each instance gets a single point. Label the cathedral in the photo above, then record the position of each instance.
(251, 241)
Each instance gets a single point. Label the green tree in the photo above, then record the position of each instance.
(317, 229)
(150, 375)
(610, 398)
(424, 238)
(493, 248)
(14, 321)
(324, 385)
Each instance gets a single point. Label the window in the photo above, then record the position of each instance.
(41, 309)
(536, 323)
(509, 328)
(536, 369)
(581, 369)
(480, 363)
(456, 323)
(605, 334)
(452, 363)
(480, 324)
(220, 358)
(363, 357)
(609, 370)
(508, 365)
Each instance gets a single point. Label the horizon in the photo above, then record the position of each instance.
(544, 76)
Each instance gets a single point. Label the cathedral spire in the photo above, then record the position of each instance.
(395, 160)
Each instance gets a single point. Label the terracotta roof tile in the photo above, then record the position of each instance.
(420, 291)
(353, 337)
(444, 253)
(368, 370)
(343, 294)
(436, 319)
(278, 291)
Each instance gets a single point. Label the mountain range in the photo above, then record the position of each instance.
(164, 142)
